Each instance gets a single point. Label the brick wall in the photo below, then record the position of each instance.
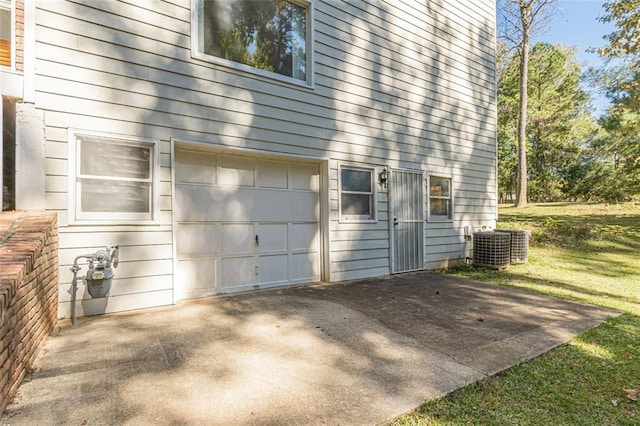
(28, 292)
(19, 35)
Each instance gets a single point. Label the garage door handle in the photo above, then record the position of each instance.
(257, 241)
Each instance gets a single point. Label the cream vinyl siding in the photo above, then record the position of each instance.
(397, 84)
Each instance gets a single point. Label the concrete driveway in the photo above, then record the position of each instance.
(360, 352)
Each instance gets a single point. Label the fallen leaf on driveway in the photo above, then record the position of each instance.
(632, 394)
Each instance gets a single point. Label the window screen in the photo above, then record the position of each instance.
(356, 194)
(440, 197)
(114, 179)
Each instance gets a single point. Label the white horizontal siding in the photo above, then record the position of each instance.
(153, 104)
(357, 247)
(360, 273)
(144, 272)
(117, 303)
(100, 236)
(411, 63)
(403, 84)
(147, 62)
(123, 287)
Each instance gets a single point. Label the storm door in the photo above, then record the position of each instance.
(406, 194)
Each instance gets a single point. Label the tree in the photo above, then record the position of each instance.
(508, 113)
(558, 119)
(521, 19)
(621, 80)
(609, 169)
(618, 151)
(625, 40)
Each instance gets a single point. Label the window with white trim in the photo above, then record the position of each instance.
(440, 198)
(357, 194)
(269, 37)
(114, 178)
(6, 33)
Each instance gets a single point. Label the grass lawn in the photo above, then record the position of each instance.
(584, 252)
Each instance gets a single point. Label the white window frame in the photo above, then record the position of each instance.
(76, 216)
(440, 218)
(11, 6)
(373, 217)
(197, 54)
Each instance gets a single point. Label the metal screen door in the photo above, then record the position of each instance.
(407, 220)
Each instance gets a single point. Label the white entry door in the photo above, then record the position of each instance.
(244, 223)
(406, 194)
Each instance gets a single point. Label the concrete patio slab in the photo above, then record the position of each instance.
(361, 352)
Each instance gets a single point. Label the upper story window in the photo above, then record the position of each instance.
(357, 194)
(6, 33)
(114, 179)
(269, 37)
(440, 198)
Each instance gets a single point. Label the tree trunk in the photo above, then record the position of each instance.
(521, 189)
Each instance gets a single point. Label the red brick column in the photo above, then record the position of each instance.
(19, 35)
(28, 292)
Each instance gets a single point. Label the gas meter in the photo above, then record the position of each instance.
(99, 274)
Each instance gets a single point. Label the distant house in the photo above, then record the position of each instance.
(230, 146)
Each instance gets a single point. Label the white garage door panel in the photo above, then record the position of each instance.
(195, 167)
(285, 206)
(304, 207)
(274, 270)
(243, 223)
(196, 203)
(306, 177)
(194, 277)
(237, 238)
(196, 240)
(304, 267)
(271, 174)
(236, 171)
(304, 236)
(237, 272)
(272, 237)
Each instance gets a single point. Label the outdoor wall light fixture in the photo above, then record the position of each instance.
(383, 177)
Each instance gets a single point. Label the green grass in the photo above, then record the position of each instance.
(583, 252)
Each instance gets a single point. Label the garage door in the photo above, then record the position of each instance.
(244, 223)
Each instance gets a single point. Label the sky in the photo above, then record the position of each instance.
(575, 24)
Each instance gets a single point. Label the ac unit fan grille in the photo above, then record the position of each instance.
(519, 244)
(491, 249)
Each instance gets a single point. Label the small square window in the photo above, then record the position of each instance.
(440, 199)
(113, 179)
(357, 196)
